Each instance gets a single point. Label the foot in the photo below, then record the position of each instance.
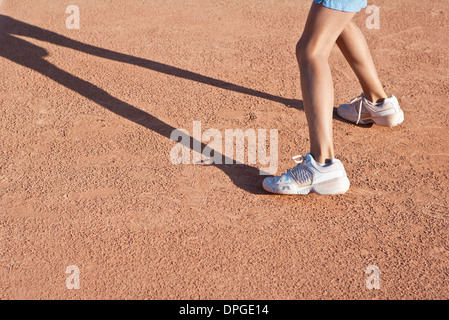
(310, 176)
(360, 110)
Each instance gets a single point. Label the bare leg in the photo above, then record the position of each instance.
(353, 45)
(322, 29)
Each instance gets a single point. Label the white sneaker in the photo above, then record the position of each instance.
(360, 110)
(307, 176)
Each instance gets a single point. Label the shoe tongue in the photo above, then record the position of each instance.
(309, 157)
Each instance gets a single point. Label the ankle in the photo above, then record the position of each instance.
(375, 98)
(322, 158)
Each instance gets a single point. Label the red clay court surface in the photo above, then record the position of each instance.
(86, 177)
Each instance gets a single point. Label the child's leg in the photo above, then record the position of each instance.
(322, 29)
(353, 45)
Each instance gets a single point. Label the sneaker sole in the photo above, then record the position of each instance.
(334, 186)
(386, 121)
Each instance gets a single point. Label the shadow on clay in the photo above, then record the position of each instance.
(31, 56)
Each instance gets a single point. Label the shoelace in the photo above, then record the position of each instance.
(298, 156)
(301, 160)
(360, 97)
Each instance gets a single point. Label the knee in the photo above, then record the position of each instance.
(300, 54)
(307, 52)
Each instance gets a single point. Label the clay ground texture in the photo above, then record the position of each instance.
(86, 177)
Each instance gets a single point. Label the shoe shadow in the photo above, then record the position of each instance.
(31, 56)
(337, 117)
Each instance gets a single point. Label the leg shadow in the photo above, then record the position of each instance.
(31, 56)
(10, 26)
